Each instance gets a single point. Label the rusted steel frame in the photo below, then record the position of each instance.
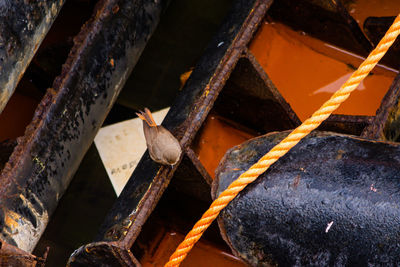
(251, 99)
(13, 256)
(292, 116)
(386, 123)
(68, 117)
(149, 180)
(299, 15)
(191, 178)
(107, 254)
(199, 166)
(23, 26)
(347, 124)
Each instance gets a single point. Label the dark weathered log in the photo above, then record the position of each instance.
(23, 25)
(331, 201)
(68, 117)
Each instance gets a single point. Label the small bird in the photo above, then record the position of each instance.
(163, 147)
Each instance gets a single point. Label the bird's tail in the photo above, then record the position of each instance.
(147, 117)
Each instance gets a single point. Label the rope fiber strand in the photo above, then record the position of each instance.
(285, 145)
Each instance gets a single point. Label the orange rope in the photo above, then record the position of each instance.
(285, 145)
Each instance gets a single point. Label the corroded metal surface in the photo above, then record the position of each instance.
(69, 115)
(331, 201)
(329, 21)
(13, 256)
(103, 254)
(149, 180)
(386, 124)
(229, 80)
(23, 25)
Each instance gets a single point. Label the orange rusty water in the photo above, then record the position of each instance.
(215, 138)
(307, 71)
(16, 116)
(203, 254)
(360, 10)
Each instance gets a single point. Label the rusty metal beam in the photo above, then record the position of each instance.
(149, 180)
(68, 117)
(221, 68)
(13, 256)
(23, 26)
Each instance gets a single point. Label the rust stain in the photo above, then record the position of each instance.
(13, 256)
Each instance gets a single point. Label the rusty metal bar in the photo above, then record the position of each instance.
(23, 26)
(68, 117)
(13, 256)
(385, 125)
(216, 76)
(251, 99)
(149, 180)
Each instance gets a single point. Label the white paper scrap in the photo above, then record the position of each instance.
(121, 145)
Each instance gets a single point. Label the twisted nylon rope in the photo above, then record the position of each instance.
(285, 145)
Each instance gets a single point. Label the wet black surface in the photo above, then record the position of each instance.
(283, 216)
